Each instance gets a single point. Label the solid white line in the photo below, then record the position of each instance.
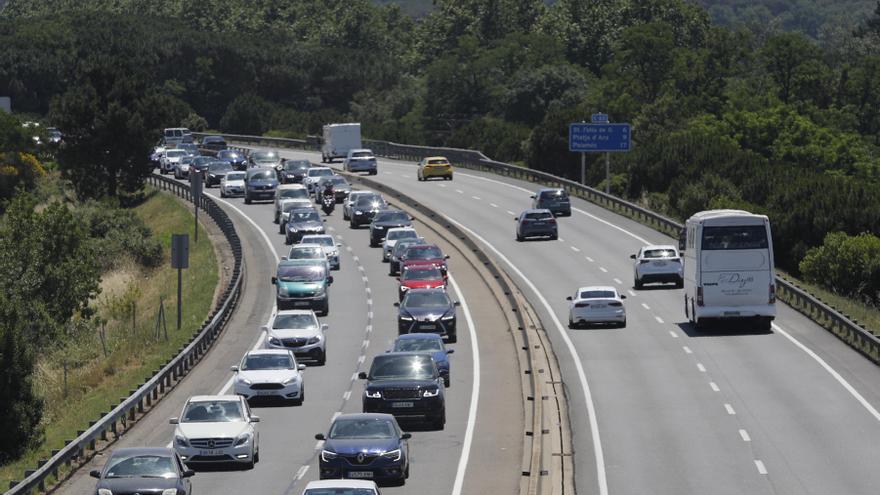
(598, 454)
(745, 435)
(729, 409)
(575, 249)
(253, 223)
(687, 350)
(673, 334)
(646, 306)
(301, 472)
(701, 367)
(659, 320)
(760, 466)
(618, 281)
(475, 392)
(604, 270)
(714, 387)
(849, 388)
(319, 444)
(335, 415)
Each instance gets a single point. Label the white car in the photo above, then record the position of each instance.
(341, 487)
(217, 428)
(595, 305)
(352, 199)
(232, 185)
(303, 251)
(314, 174)
(360, 160)
(181, 169)
(169, 159)
(331, 247)
(290, 194)
(298, 331)
(657, 263)
(391, 238)
(270, 373)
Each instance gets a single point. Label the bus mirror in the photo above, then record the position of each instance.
(682, 240)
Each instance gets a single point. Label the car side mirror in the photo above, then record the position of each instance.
(406, 436)
(397, 305)
(446, 257)
(397, 278)
(330, 279)
(450, 351)
(632, 256)
(301, 367)
(362, 375)
(94, 473)
(568, 298)
(532, 196)
(456, 303)
(323, 219)
(320, 436)
(234, 369)
(174, 421)
(274, 280)
(284, 258)
(325, 327)
(255, 419)
(188, 473)
(264, 328)
(622, 296)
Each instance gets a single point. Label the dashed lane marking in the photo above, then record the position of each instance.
(604, 270)
(673, 334)
(646, 306)
(618, 281)
(729, 409)
(745, 435)
(714, 387)
(760, 465)
(476, 197)
(575, 249)
(493, 205)
(659, 320)
(701, 367)
(687, 350)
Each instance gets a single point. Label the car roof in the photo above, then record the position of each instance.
(293, 312)
(401, 228)
(341, 483)
(435, 289)
(211, 398)
(365, 416)
(659, 246)
(412, 336)
(536, 210)
(143, 451)
(319, 168)
(290, 186)
(360, 150)
(268, 352)
(436, 158)
(597, 287)
(313, 236)
(551, 189)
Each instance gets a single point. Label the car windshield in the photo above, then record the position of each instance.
(296, 164)
(362, 154)
(423, 253)
(554, 195)
(438, 162)
(220, 411)
(403, 244)
(267, 362)
(338, 181)
(302, 320)
(219, 167)
(300, 273)
(264, 156)
(320, 172)
(659, 253)
(401, 234)
(235, 176)
(598, 294)
(538, 215)
(340, 491)
(370, 202)
(432, 299)
(305, 216)
(418, 345)
(199, 160)
(322, 240)
(263, 175)
(296, 193)
(391, 367)
(141, 466)
(310, 253)
(228, 154)
(175, 153)
(419, 273)
(291, 205)
(392, 216)
(361, 428)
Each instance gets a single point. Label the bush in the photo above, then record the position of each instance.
(118, 233)
(847, 265)
(20, 408)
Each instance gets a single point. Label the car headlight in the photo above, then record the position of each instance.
(293, 379)
(243, 439)
(406, 317)
(104, 491)
(181, 441)
(358, 213)
(244, 380)
(326, 455)
(274, 341)
(392, 455)
(313, 340)
(448, 316)
(373, 394)
(431, 392)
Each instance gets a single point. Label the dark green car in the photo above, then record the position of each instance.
(303, 284)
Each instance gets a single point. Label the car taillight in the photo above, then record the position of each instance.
(551, 220)
(582, 305)
(699, 296)
(676, 260)
(772, 294)
(615, 304)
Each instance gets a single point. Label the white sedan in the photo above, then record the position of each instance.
(596, 305)
(657, 264)
(270, 373)
(232, 185)
(331, 247)
(217, 428)
(299, 331)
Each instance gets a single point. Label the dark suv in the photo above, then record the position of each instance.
(555, 200)
(213, 143)
(407, 385)
(260, 183)
(384, 220)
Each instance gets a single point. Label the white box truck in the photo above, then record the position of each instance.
(729, 272)
(338, 139)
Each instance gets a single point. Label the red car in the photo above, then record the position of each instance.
(424, 254)
(420, 277)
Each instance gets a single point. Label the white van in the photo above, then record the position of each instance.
(339, 139)
(177, 135)
(728, 268)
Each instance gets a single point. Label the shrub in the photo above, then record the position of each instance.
(847, 265)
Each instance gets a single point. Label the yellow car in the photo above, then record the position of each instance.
(435, 166)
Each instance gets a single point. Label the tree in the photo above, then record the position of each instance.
(247, 114)
(20, 408)
(783, 55)
(645, 58)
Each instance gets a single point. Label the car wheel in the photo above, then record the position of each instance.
(440, 422)
(449, 177)
(554, 237)
(276, 217)
(571, 324)
(638, 284)
(323, 359)
(452, 338)
(302, 396)
(280, 228)
(247, 199)
(519, 238)
(622, 324)
(447, 380)
(257, 456)
(326, 309)
(222, 193)
(352, 225)
(679, 284)
(288, 240)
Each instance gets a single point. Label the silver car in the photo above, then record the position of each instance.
(657, 264)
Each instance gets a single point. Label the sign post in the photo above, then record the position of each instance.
(195, 179)
(599, 136)
(179, 260)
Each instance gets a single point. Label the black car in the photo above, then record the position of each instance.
(269, 159)
(427, 311)
(384, 220)
(143, 470)
(555, 200)
(200, 163)
(260, 183)
(213, 144)
(300, 222)
(364, 210)
(341, 188)
(190, 148)
(216, 171)
(407, 385)
(365, 446)
(294, 171)
(234, 158)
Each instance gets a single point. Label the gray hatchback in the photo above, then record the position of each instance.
(536, 223)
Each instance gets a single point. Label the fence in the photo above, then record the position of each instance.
(163, 378)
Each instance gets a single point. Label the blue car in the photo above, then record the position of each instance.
(234, 158)
(365, 446)
(430, 343)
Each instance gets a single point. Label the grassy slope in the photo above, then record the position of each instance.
(99, 382)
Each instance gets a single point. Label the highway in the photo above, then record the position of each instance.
(658, 407)
(484, 429)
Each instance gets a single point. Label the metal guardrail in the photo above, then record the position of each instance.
(163, 378)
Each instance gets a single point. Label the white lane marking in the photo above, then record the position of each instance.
(354, 376)
(560, 239)
(459, 191)
(301, 472)
(346, 395)
(701, 368)
(253, 223)
(356, 259)
(335, 415)
(659, 320)
(369, 315)
(646, 306)
(319, 444)
(369, 328)
(631, 292)
(673, 334)
(618, 281)
(729, 409)
(348, 248)
(387, 173)
(364, 278)
(591, 260)
(849, 388)
(598, 454)
(441, 185)
(475, 392)
(476, 197)
(760, 466)
(365, 344)
(368, 290)
(687, 350)
(511, 213)
(714, 387)
(361, 268)
(493, 205)
(405, 176)
(604, 270)
(745, 435)
(575, 249)
(361, 359)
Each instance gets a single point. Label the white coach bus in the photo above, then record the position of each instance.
(728, 268)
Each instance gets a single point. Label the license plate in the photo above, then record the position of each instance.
(360, 474)
(265, 392)
(659, 263)
(210, 452)
(731, 313)
(427, 326)
(599, 306)
(538, 223)
(301, 303)
(401, 404)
